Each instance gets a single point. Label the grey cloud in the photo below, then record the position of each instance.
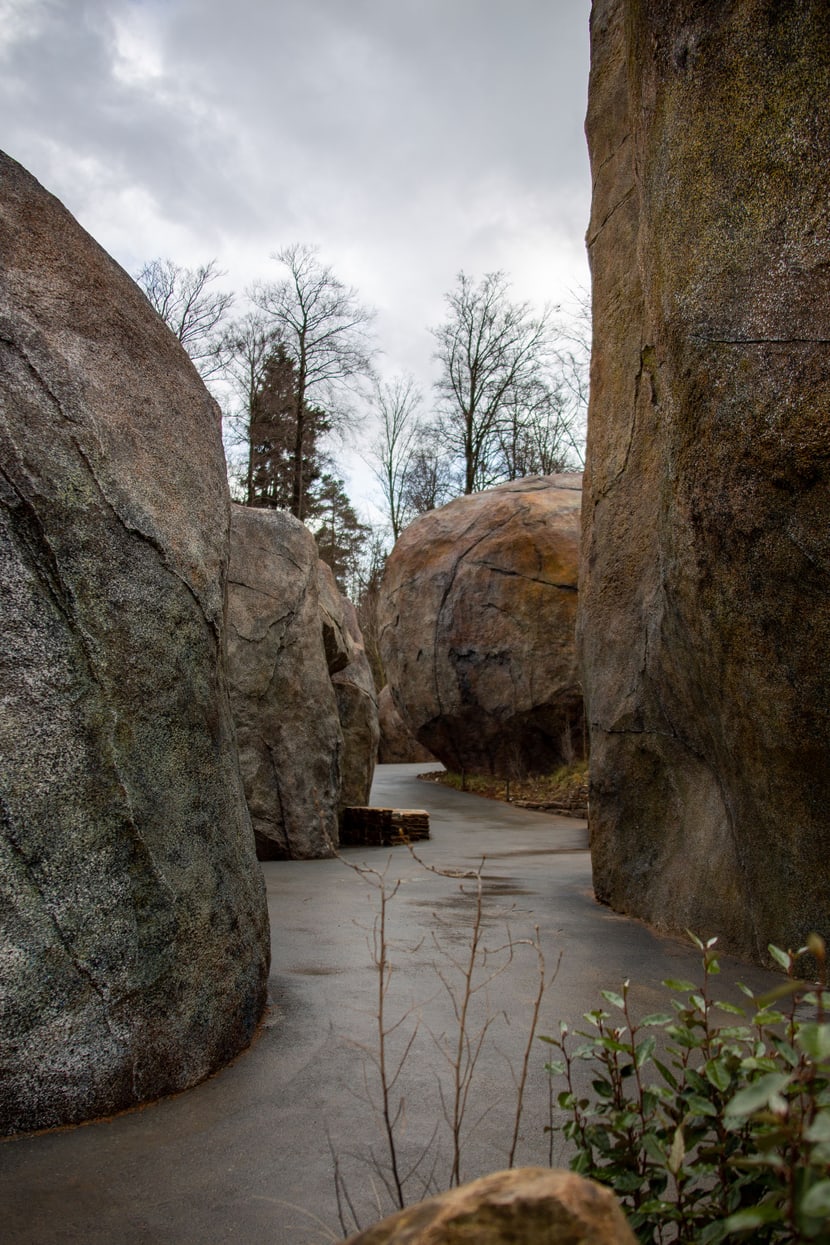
(410, 138)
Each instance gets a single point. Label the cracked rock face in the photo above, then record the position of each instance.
(477, 615)
(704, 600)
(284, 704)
(357, 708)
(134, 939)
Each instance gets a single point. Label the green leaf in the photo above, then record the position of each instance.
(556, 1067)
(656, 1018)
(673, 984)
(712, 1234)
(819, 1130)
(780, 957)
(609, 1043)
(765, 1092)
(677, 1152)
(653, 1149)
(718, 1074)
(654, 1096)
(644, 1051)
(701, 1106)
(785, 1051)
(616, 1000)
(666, 1073)
(816, 1202)
(768, 1017)
(654, 1206)
(782, 991)
(753, 1217)
(814, 1040)
(731, 1008)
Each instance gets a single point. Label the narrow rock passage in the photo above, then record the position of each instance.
(245, 1156)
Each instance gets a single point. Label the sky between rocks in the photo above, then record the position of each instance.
(408, 139)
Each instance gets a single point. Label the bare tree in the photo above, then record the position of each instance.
(535, 437)
(491, 351)
(397, 404)
(191, 308)
(572, 363)
(431, 481)
(248, 344)
(324, 331)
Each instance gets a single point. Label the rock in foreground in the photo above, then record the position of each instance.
(704, 603)
(134, 941)
(477, 615)
(525, 1206)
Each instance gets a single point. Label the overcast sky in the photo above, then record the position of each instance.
(408, 139)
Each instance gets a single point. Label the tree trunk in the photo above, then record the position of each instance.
(297, 485)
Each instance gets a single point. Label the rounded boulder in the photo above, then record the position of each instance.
(477, 618)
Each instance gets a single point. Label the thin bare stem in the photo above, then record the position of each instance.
(534, 1020)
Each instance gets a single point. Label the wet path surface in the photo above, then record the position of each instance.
(247, 1156)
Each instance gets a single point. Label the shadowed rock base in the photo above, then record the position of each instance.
(525, 1206)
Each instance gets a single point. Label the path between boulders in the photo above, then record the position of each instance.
(245, 1157)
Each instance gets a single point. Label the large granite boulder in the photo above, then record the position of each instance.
(397, 744)
(290, 741)
(357, 709)
(524, 1206)
(134, 938)
(477, 612)
(704, 601)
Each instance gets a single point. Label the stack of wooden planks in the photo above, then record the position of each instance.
(383, 827)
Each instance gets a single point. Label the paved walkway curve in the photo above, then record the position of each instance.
(247, 1156)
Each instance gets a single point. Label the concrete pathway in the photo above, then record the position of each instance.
(248, 1155)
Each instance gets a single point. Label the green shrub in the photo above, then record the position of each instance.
(711, 1122)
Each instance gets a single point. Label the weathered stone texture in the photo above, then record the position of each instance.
(337, 638)
(704, 599)
(397, 743)
(477, 611)
(357, 708)
(284, 705)
(134, 939)
(525, 1206)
